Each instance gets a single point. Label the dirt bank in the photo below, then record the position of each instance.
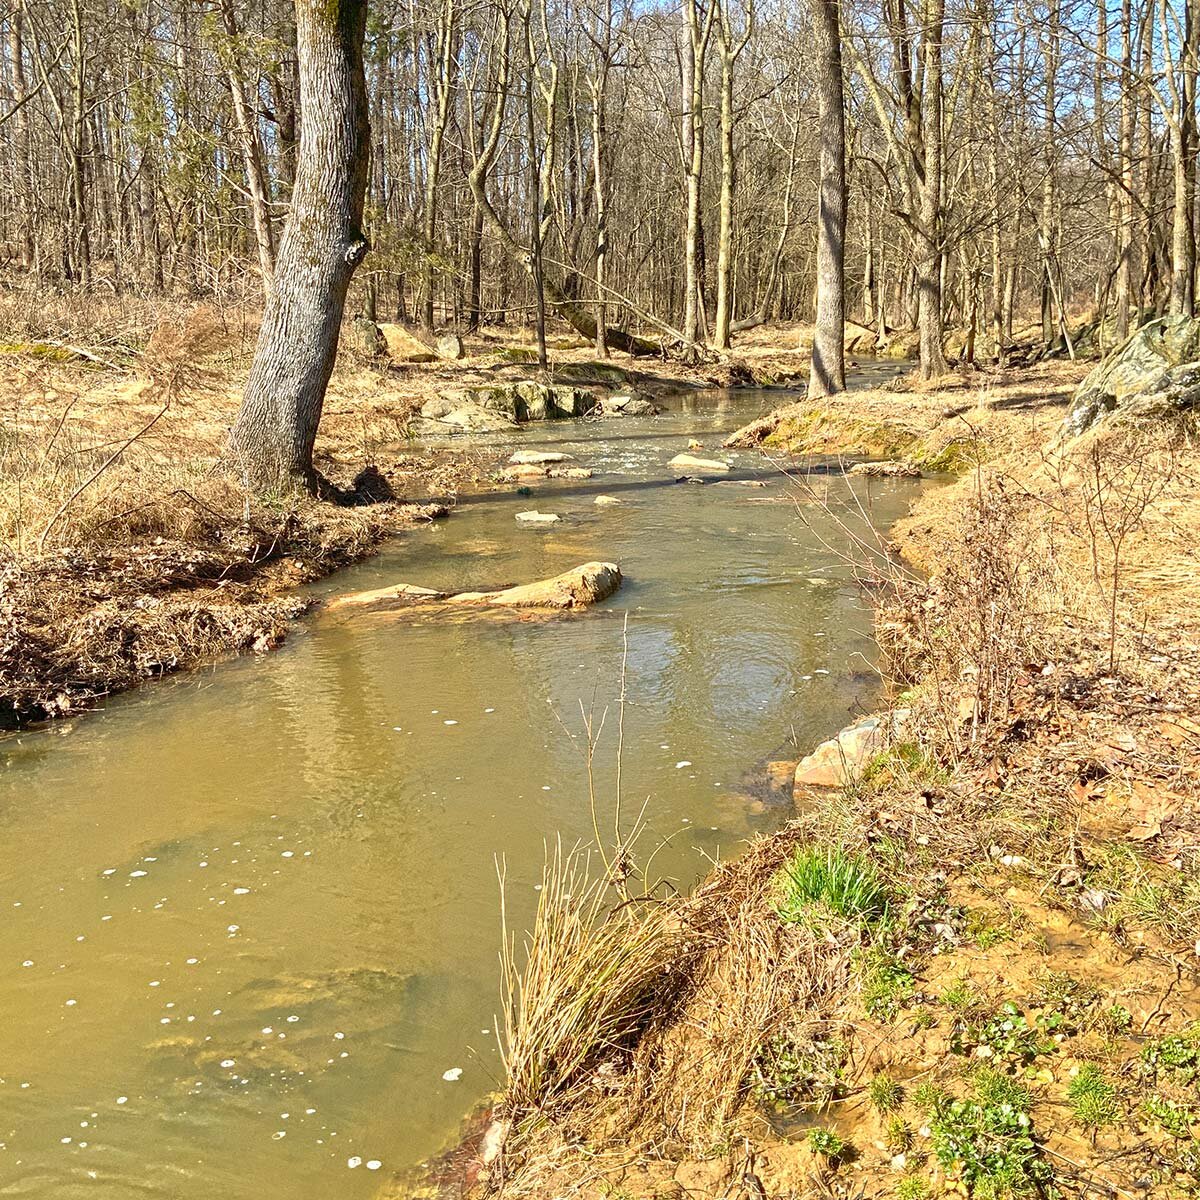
(973, 969)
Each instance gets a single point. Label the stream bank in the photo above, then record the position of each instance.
(973, 968)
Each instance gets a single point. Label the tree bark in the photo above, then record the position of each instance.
(323, 243)
(929, 240)
(827, 374)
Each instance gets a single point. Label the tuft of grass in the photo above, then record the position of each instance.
(960, 997)
(930, 1097)
(885, 1094)
(898, 1134)
(1093, 1099)
(591, 980)
(887, 984)
(913, 1187)
(842, 883)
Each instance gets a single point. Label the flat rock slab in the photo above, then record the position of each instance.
(606, 500)
(887, 469)
(533, 517)
(689, 462)
(540, 471)
(842, 759)
(524, 458)
(577, 588)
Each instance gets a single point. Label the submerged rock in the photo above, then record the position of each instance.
(689, 462)
(1155, 373)
(530, 457)
(577, 588)
(843, 759)
(533, 517)
(628, 406)
(604, 500)
(537, 471)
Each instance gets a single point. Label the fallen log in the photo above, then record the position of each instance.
(578, 588)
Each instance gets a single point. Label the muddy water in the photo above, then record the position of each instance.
(249, 917)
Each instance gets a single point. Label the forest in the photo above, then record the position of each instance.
(598, 599)
(649, 168)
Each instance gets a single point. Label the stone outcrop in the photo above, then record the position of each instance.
(887, 469)
(842, 759)
(578, 588)
(628, 406)
(528, 400)
(1155, 373)
(464, 415)
(404, 347)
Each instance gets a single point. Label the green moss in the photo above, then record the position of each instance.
(823, 431)
(952, 459)
(905, 762)
(519, 354)
(39, 350)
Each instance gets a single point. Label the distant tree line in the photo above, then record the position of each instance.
(645, 169)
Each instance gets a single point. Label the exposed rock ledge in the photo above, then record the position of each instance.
(577, 588)
(843, 758)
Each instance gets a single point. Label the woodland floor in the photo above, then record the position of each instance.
(999, 995)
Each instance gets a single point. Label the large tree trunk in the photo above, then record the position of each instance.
(827, 374)
(322, 244)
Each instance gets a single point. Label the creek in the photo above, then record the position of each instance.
(250, 914)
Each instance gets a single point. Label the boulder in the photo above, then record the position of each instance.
(689, 462)
(463, 415)
(533, 517)
(450, 346)
(628, 406)
(404, 347)
(576, 588)
(538, 471)
(887, 469)
(528, 400)
(1154, 373)
(842, 759)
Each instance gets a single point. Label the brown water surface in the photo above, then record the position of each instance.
(248, 946)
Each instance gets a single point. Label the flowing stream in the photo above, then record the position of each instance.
(250, 915)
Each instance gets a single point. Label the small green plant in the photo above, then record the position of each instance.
(988, 1141)
(1008, 1036)
(1169, 1115)
(1115, 1020)
(980, 928)
(897, 1134)
(885, 1093)
(1093, 1099)
(1177, 1054)
(845, 884)
(887, 984)
(792, 1070)
(828, 1144)
(912, 1187)
(960, 997)
(929, 1097)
